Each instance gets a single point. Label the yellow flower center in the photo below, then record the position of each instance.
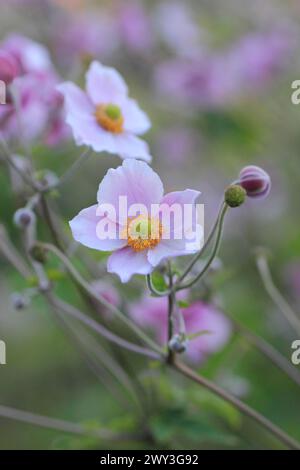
(143, 233)
(109, 117)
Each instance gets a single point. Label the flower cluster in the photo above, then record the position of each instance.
(33, 106)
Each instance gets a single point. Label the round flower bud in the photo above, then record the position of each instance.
(19, 301)
(235, 195)
(39, 254)
(8, 67)
(178, 344)
(24, 217)
(255, 181)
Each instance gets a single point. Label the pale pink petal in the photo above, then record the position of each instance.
(183, 235)
(86, 131)
(105, 84)
(134, 180)
(84, 230)
(125, 263)
(76, 101)
(135, 120)
(130, 146)
(181, 205)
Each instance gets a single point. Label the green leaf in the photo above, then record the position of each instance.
(159, 282)
(183, 303)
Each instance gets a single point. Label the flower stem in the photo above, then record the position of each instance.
(242, 407)
(220, 223)
(75, 167)
(85, 285)
(274, 293)
(205, 245)
(171, 303)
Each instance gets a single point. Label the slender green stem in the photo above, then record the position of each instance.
(50, 223)
(267, 350)
(213, 254)
(171, 303)
(203, 249)
(61, 306)
(75, 167)
(275, 294)
(85, 285)
(242, 407)
(54, 423)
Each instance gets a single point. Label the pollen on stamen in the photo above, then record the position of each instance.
(143, 233)
(109, 117)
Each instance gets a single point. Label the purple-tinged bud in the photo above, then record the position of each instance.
(24, 217)
(19, 301)
(9, 68)
(255, 181)
(178, 344)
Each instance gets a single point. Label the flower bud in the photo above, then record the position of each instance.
(39, 254)
(19, 301)
(178, 344)
(24, 217)
(235, 195)
(255, 181)
(47, 179)
(8, 67)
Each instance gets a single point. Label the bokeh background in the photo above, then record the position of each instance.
(215, 78)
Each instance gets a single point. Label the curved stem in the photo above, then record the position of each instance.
(52, 423)
(212, 255)
(203, 249)
(75, 167)
(68, 309)
(275, 294)
(242, 407)
(85, 285)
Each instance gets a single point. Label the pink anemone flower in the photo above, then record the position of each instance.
(104, 117)
(141, 241)
(152, 312)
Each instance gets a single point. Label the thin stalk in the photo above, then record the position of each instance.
(75, 167)
(49, 221)
(283, 437)
(213, 254)
(203, 249)
(53, 423)
(171, 303)
(70, 310)
(275, 294)
(85, 285)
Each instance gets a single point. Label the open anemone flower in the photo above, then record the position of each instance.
(104, 117)
(139, 242)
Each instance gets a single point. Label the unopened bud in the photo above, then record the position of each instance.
(19, 301)
(235, 195)
(39, 254)
(255, 181)
(24, 217)
(8, 67)
(178, 344)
